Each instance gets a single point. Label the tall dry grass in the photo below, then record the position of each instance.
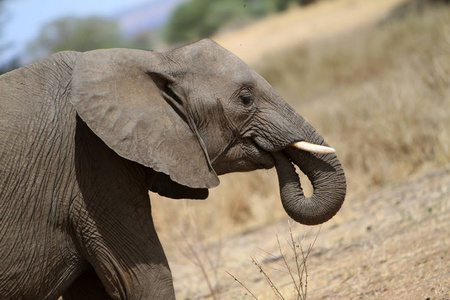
(380, 96)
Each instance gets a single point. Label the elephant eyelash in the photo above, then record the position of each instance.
(246, 97)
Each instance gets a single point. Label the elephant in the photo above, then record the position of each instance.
(84, 137)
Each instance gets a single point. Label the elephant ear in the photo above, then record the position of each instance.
(122, 95)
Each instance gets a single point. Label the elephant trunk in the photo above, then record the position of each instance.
(325, 173)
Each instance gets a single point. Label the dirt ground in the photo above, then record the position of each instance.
(391, 243)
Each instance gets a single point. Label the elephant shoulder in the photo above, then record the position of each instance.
(41, 78)
(36, 93)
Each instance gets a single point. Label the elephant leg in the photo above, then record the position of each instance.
(121, 244)
(86, 286)
(134, 270)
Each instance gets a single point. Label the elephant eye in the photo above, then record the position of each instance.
(246, 98)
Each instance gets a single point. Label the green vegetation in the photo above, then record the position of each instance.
(14, 63)
(79, 34)
(2, 16)
(197, 19)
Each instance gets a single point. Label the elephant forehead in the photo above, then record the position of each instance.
(230, 72)
(208, 58)
(229, 65)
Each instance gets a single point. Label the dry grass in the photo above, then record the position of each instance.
(380, 96)
(291, 261)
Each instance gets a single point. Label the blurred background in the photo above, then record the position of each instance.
(33, 29)
(373, 77)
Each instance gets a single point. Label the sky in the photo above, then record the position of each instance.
(24, 18)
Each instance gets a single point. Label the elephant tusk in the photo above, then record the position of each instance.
(305, 146)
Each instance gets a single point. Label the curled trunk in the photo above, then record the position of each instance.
(327, 178)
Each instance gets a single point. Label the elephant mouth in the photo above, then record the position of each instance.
(243, 157)
(259, 157)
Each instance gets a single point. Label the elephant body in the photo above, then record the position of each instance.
(33, 226)
(51, 223)
(84, 136)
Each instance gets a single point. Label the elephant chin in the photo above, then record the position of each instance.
(327, 178)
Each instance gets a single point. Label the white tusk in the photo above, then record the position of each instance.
(305, 146)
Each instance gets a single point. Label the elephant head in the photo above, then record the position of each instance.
(197, 112)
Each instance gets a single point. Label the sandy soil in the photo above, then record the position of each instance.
(392, 243)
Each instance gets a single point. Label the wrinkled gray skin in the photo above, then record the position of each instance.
(84, 136)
